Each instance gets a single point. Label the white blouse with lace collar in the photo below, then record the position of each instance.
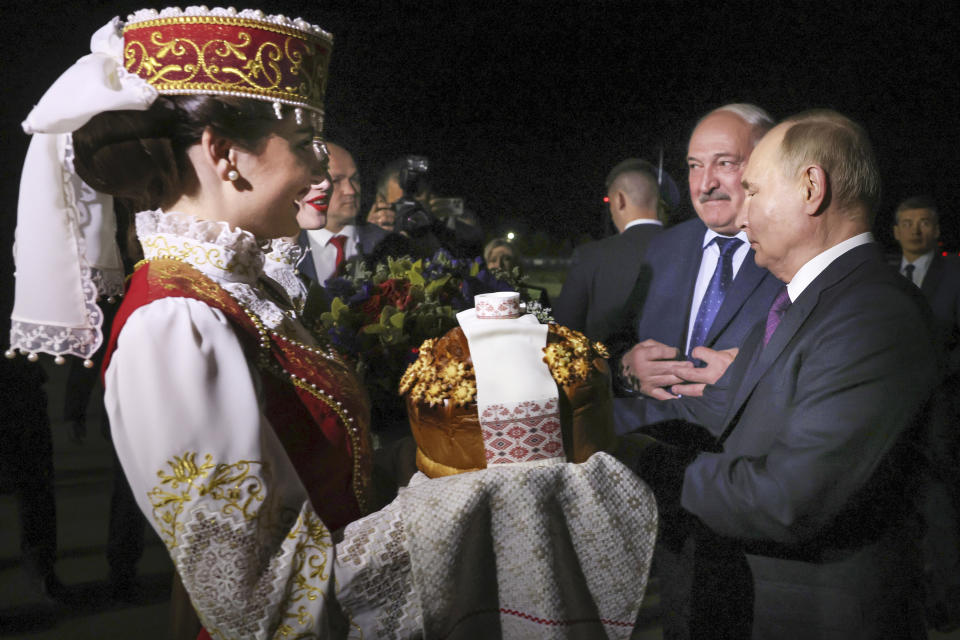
(263, 282)
(280, 263)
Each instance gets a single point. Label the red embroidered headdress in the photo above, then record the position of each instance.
(225, 51)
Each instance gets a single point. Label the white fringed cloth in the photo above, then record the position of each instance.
(529, 550)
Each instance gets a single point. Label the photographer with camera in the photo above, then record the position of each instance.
(405, 203)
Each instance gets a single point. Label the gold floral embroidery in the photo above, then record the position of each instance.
(252, 57)
(196, 253)
(174, 274)
(311, 571)
(234, 486)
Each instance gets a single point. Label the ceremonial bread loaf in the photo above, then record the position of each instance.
(440, 390)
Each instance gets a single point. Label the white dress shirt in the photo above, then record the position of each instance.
(920, 267)
(325, 254)
(639, 221)
(708, 265)
(815, 266)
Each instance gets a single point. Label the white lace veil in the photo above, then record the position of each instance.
(65, 249)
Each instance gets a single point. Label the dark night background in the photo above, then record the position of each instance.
(523, 108)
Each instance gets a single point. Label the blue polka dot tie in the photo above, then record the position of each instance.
(716, 290)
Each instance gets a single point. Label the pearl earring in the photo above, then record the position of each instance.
(233, 175)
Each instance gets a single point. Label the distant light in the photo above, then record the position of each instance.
(944, 254)
(511, 235)
(606, 199)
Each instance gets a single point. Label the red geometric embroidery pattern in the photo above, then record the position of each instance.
(521, 431)
(564, 623)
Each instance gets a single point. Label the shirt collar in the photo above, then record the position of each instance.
(711, 234)
(639, 221)
(920, 263)
(322, 236)
(816, 265)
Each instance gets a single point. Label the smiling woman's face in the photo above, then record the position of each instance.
(276, 179)
(313, 206)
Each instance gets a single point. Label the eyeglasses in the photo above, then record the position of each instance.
(321, 151)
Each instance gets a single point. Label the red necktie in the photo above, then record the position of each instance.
(340, 243)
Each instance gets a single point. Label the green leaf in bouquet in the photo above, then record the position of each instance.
(398, 267)
(381, 272)
(417, 297)
(337, 316)
(435, 286)
(416, 277)
(374, 329)
(385, 314)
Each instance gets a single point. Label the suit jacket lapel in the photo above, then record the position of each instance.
(932, 279)
(794, 318)
(747, 279)
(306, 266)
(791, 322)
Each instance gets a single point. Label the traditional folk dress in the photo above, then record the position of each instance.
(244, 443)
(246, 447)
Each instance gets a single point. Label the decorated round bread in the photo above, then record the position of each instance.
(441, 390)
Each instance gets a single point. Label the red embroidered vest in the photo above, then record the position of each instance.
(313, 400)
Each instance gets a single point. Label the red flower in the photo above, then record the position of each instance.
(371, 308)
(396, 292)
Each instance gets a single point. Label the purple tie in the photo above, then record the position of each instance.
(716, 290)
(777, 309)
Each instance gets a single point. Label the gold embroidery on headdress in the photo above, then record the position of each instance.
(229, 55)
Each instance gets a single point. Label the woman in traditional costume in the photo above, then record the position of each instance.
(245, 442)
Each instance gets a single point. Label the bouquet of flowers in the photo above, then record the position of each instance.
(381, 317)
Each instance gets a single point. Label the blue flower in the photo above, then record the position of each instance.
(339, 287)
(362, 295)
(344, 340)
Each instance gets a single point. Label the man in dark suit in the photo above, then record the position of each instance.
(706, 291)
(917, 231)
(817, 457)
(701, 303)
(328, 217)
(607, 279)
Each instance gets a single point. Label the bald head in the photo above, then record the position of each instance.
(345, 197)
(757, 119)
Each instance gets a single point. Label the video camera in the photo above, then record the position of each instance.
(412, 217)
